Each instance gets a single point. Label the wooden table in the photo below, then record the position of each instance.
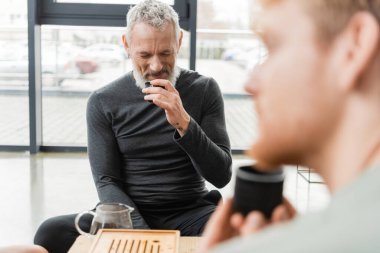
(187, 244)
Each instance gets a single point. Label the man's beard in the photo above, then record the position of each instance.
(141, 80)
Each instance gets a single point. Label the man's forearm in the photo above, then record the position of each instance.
(213, 162)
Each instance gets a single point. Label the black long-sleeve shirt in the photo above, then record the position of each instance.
(139, 159)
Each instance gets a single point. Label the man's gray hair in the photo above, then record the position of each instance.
(153, 13)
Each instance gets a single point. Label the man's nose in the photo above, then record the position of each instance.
(155, 64)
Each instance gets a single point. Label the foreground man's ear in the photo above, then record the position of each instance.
(358, 45)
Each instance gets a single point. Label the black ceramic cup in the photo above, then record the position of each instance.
(255, 190)
(148, 84)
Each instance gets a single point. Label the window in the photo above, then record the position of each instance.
(227, 50)
(81, 51)
(14, 127)
(75, 62)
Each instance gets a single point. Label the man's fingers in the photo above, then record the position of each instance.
(220, 217)
(166, 83)
(280, 214)
(254, 222)
(160, 102)
(170, 104)
(237, 221)
(283, 212)
(224, 209)
(291, 210)
(156, 90)
(160, 94)
(155, 97)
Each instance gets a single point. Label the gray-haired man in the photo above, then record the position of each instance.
(153, 156)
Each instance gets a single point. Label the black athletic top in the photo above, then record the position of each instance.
(139, 159)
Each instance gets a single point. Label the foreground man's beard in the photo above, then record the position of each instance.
(140, 80)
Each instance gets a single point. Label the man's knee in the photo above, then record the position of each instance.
(213, 196)
(58, 234)
(50, 229)
(196, 226)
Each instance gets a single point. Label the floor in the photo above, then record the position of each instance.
(35, 187)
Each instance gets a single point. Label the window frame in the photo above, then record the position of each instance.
(87, 14)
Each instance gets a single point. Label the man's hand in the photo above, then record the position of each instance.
(168, 99)
(224, 224)
(255, 220)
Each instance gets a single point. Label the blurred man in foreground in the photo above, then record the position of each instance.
(318, 98)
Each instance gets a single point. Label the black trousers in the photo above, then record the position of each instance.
(58, 234)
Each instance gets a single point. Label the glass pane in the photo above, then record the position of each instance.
(109, 1)
(75, 62)
(227, 50)
(14, 110)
